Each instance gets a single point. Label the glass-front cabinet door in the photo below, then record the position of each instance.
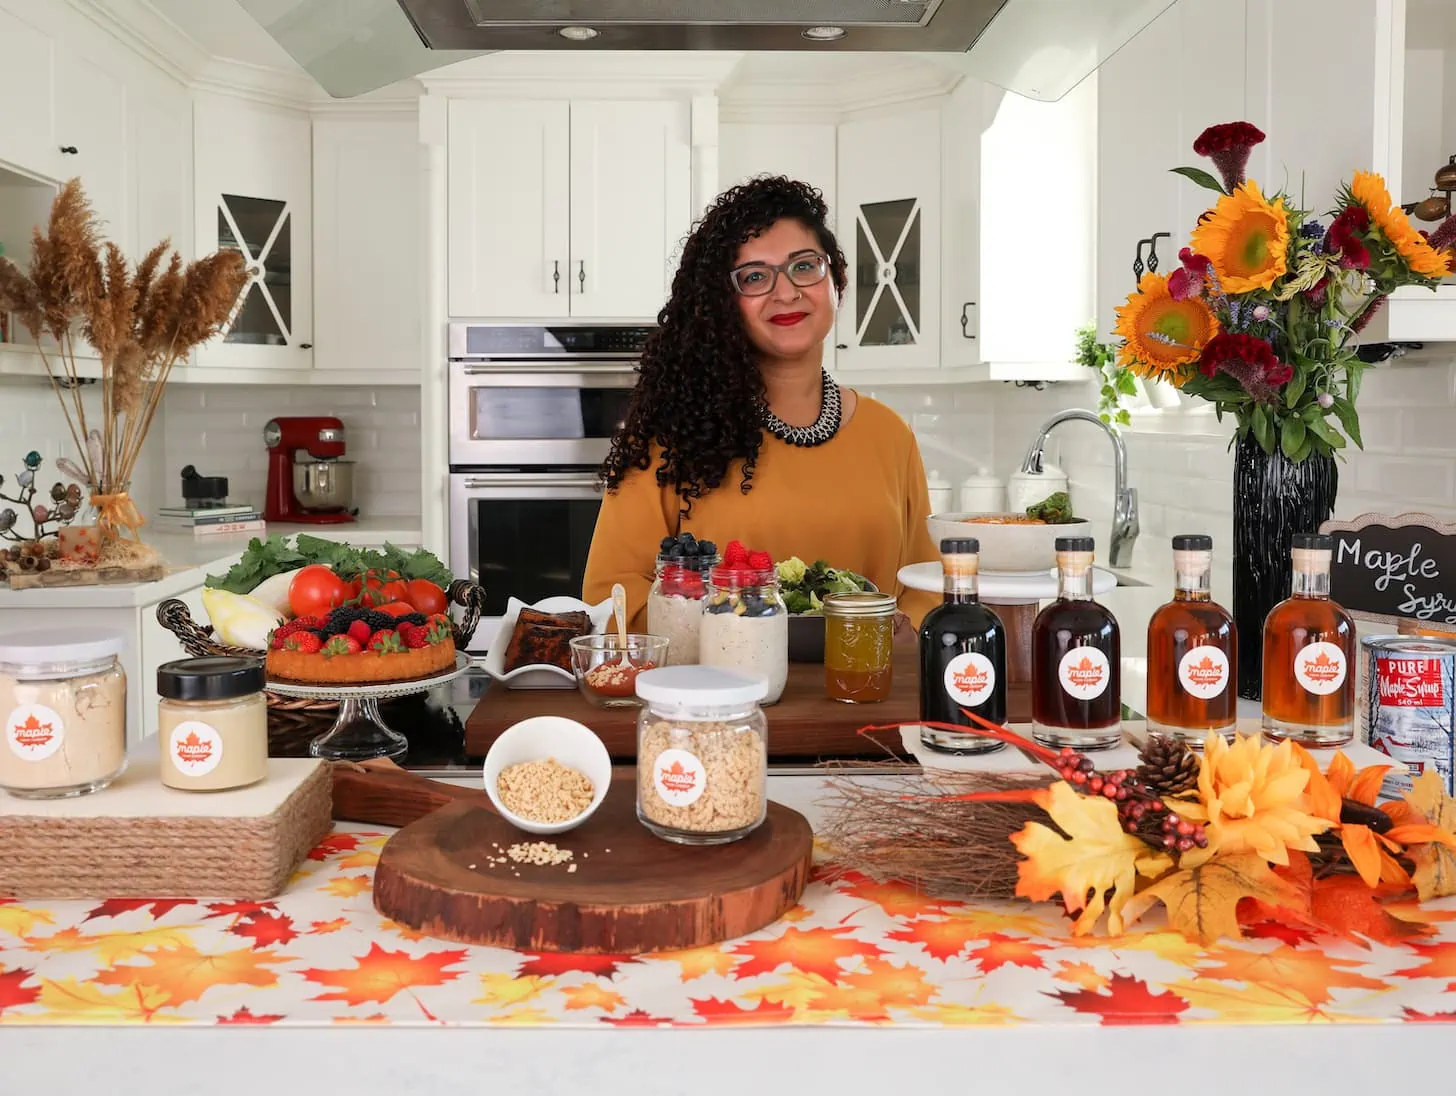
(253, 182)
(889, 228)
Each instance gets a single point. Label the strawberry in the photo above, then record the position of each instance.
(437, 630)
(307, 642)
(360, 631)
(343, 645)
(386, 642)
(277, 639)
(414, 636)
(312, 623)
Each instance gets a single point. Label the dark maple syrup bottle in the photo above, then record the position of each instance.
(1192, 651)
(1076, 660)
(962, 656)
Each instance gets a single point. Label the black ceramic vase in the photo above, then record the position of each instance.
(1274, 498)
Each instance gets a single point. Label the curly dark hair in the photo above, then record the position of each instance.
(699, 382)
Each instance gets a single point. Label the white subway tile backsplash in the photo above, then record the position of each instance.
(1422, 480)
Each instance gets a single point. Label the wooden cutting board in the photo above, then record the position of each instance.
(804, 725)
(631, 892)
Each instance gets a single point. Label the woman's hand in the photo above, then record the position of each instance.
(905, 631)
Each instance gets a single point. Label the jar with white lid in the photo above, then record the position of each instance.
(63, 699)
(702, 754)
(212, 720)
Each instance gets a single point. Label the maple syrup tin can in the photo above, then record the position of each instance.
(212, 722)
(1410, 688)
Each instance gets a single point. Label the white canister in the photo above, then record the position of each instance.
(942, 494)
(982, 494)
(1026, 489)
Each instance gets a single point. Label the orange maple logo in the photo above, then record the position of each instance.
(970, 680)
(1323, 668)
(675, 778)
(32, 734)
(1206, 672)
(1086, 673)
(193, 750)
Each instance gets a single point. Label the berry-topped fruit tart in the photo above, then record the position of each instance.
(356, 645)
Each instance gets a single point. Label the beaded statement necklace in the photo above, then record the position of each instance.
(821, 430)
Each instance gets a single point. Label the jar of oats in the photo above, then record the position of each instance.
(702, 754)
(63, 700)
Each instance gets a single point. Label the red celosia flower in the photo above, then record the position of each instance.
(1191, 280)
(1362, 321)
(1343, 238)
(1444, 238)
(1249, 360)
(1228, 145)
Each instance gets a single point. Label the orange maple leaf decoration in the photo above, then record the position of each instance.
(32, 732)
(1127, 1000)
(185, 974)
(243, 1015)
(1307, 971)
(266, 929)
(319, 928)
(548, 964)
(1202, 901)
(334, 844)
(13, 990)
(895, 898)
(1081, 974)
(1368, 851)
(1000, 951)
(238, 911)
(380, 974)
(942, 938)
(869, 993)
(115, 907)
(723, 1013)
(811, 951)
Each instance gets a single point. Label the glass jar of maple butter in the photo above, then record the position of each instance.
(212, 722)
(63, 700)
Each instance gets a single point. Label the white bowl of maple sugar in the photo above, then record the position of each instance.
(545, 798)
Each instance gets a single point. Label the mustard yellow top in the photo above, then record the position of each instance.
(858, 501)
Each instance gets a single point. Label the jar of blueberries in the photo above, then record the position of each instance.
(745, 625)
(675, 602)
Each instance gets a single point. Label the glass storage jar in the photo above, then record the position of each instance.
(675, 604)
(702, 754)
(745, 626)
(859, 638)
(63, 699)
(212, 719)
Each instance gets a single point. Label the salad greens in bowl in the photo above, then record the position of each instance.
(804, 587)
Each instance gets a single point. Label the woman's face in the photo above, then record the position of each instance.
(790, 321)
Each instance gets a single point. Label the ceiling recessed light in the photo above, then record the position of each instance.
(578, 34)
(824, 34)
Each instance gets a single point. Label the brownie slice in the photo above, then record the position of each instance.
(544, 639)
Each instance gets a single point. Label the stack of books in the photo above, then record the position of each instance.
(210, 521)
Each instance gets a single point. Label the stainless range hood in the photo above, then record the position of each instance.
(1037, 48)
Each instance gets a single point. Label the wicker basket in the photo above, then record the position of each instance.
(197, 641)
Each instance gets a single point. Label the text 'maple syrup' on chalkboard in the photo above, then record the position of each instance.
(1395, 569)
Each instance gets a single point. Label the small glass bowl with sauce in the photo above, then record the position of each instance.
(859, 639)
(606, 669)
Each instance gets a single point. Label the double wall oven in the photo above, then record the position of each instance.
(532, 412)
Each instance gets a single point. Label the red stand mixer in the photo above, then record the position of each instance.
(316, 488)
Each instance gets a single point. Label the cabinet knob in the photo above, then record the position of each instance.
(841, 346)
(966, 320)
(69, 150)
(581, 275)
(305, 346)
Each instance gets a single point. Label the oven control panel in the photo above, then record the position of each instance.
(476, 341)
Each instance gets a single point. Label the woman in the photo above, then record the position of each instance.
(735, 430)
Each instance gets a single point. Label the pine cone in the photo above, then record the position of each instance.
(1168, 766)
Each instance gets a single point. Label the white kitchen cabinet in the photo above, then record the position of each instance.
(963, 117)
(253, 194)
(889, 182)
(159, 131)
(565, 208)
(92, 135)
(366, 244)
(27, 68)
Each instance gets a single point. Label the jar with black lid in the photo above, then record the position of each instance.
(213, 723)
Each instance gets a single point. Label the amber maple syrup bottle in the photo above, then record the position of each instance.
(1192, 649)
(1309, 655)
(962, 656)
(1076, 660)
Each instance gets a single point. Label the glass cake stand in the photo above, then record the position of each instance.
(359, 733)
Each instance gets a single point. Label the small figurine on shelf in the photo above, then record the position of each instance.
(45, 517)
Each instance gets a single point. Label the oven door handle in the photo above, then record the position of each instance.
(476, 483)
(614, 368)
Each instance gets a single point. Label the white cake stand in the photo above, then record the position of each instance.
(359, 733)
(1002, 588)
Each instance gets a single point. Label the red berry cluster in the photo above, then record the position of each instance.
(743, 567)
(1141, 810)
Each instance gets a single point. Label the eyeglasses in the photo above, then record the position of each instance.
(805, 268)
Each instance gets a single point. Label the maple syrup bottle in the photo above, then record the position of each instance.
(1076, 667)
(962, 656)
(1309, 655)
(1192, 647)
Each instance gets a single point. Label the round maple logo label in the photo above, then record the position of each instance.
(1320, 668)
(196, 747)
(34, 732)
(970, 679)
(679, 777)
(1204, 672)
(1084, 673)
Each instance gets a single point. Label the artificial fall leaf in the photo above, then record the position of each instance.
(13, 990)
(1308, 971)
(244, 1016)
(1170, 946)
(954, 1015)
(1435, 874)
(942, 937)
(378, 975)
(797, 991)
(814, 951)
(895, 898)
(87, 1002)
(364, 858)
(1000, 951)
(1095, 856)
(1253, 1003)
(404, 932)
(1411, 1016)
(266, 930)
(333, 845)
(1081, 974)
(21, 920)
(1326, 792)
(1274, 930)
(1438, 960)
(112, 947)
(321, 928)
(725, 1013)
(506, 990)
(550, 963)
(1127, 1000)
(347, 886)
(1344, 906)
(238, 910)
(696, 962)
(159, 907)
(866, 994)
(185, 974)
(592, 995)
(523, 1017)
(1202, 902)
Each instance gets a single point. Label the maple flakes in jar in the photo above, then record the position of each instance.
(702, 754)
(63, 700)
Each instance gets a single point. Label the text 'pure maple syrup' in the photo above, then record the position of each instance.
(1309, 655)
(1192, 650)
(962, 656)
(1076, 653)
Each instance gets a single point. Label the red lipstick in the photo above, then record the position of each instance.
(787, 319)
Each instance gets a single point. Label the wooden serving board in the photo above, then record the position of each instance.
(84, 576)
(805, 724)
(631, 892)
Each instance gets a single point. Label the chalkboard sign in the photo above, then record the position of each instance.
(1399, 569)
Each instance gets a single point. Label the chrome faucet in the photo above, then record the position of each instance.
(1124, 508)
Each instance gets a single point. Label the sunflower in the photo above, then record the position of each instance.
(1247, 238)
(1161, 335)
(1369, 190)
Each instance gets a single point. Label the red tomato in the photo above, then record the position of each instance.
(426, 597)
(315, 590)
(396, 608)
(394, 590)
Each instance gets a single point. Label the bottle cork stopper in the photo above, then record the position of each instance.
(1075, 563)
(961, 564)
(1192, 562)
(1311, 559)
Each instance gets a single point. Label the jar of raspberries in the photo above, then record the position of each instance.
(745, 624)
(675, 602)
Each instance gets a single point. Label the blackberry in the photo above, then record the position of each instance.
(379, 622)
(339, 619)
(411, 618)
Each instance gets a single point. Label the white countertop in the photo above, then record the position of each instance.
(191, 559)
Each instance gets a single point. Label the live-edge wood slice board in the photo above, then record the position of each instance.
(631, 892)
